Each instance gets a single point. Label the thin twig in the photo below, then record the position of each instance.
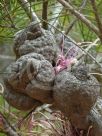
(70, 26)
(29, 11)
(44, 14)
(6, 26)
(75, 20)
(6, 57)
(84, 43)
(88, 48)
(80, 16)
(99, 74)
(76, 45)
(99, 23)
(57, 9)
(2, 89)
(6, 127)
(8, 14)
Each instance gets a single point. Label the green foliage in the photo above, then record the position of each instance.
(99, 48)
(14, 18)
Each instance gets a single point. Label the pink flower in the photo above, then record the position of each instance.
(64, 62)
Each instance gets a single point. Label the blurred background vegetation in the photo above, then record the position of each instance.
(14, 18)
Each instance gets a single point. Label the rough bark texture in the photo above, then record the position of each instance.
(31, 80)
(20, 101)
(95, 118)
(31, 32)
(32, 75)
(34, 39)
(75, 93)
(44, 45)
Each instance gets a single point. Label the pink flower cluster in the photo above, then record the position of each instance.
(65, 61)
